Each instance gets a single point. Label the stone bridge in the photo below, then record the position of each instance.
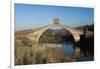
(35, 36)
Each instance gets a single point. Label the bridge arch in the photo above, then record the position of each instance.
(35, 36)
(73, 31)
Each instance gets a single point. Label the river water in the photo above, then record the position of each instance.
(65, 47)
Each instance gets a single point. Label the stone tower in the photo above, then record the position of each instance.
(56, 21)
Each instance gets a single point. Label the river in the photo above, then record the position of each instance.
(65, 47)
(68, 49)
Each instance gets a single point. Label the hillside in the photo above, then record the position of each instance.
(87, 27)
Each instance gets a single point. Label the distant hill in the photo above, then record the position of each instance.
(87, 27)
(24, 32)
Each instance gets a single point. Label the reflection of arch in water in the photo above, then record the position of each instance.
(74, 32)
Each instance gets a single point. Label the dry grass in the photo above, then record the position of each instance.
(37, 54)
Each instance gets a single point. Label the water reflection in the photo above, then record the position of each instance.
(65, 47)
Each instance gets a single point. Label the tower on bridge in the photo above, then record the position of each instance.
(56, 21)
